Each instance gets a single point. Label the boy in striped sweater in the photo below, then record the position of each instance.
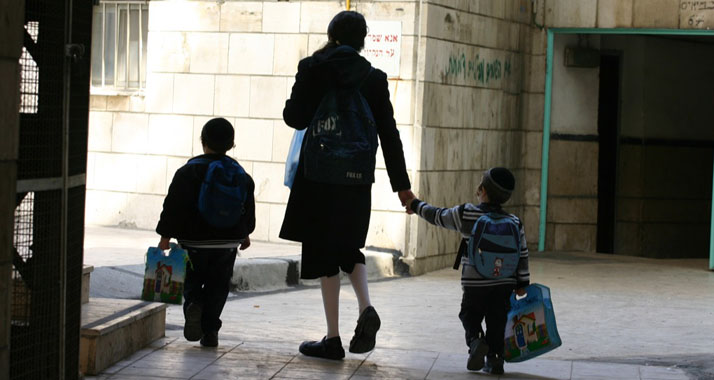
(482, 297)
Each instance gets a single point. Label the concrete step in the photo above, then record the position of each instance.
(86, 278)
(113, 329)
(276, 273)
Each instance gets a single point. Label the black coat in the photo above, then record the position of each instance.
(338, 215)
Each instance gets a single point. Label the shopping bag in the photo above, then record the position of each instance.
(164, 275)
(530, 329)
(291, 162)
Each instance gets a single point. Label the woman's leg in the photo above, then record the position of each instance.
(368, 322)
(331, 301)
(358, 278)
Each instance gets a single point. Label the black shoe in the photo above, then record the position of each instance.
(494, 364)
(477, 352)
(366, 331)
(326, 348)
(210, 339)
(192, 327)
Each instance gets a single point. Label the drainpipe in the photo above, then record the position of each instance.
(546, 141)
(347, 5)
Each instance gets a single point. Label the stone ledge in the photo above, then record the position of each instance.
(113, 329)
(279, 273)
(104, 315)
(86, 279)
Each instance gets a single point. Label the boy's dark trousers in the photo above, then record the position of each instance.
(207, 283)
(492, 303)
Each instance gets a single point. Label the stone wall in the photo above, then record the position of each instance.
(11, 29)
(237, 60)
(469, 96)
(475, 77)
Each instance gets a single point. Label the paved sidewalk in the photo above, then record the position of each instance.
(176, 359)
(619, 318)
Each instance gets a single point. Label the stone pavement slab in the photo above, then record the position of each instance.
(178, 359)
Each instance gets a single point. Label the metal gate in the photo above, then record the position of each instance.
(49, 214)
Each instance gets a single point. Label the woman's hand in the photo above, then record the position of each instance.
(406, 196)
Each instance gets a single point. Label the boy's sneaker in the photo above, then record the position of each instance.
(366, 331)
(210, 339)
(494, 364)
(326, 348)
(477, 351)
(192, 327)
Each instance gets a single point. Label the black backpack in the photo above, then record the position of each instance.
(341, 141)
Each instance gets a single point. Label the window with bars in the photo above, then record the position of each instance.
(119, 35)
(30, 74)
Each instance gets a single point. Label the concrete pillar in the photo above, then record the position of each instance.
(11, 29)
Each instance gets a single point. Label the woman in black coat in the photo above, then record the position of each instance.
(332, 220)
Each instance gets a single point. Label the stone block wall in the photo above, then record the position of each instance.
(237, 60)
(659, 14)
(475, 80)
(11, 28)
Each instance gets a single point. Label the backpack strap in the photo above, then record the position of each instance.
(517, 236)
(457, 262)
(199, 161)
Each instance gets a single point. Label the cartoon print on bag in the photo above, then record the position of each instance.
(497, 264)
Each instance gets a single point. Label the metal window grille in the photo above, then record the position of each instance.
(34, 309)
(119, 36)
(30, 74)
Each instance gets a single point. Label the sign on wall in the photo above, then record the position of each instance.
(382, 46)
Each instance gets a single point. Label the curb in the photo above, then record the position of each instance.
(279, 273)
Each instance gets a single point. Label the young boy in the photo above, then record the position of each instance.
(211, 242)
(482, 297)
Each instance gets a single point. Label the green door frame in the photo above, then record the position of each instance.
(547, 113)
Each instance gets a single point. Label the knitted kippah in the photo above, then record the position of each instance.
(499, 184)
(218, 134)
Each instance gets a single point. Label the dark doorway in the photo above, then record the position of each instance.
(608, 120)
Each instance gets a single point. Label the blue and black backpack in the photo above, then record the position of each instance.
(223, 192)
(341, 140)
(494, 247)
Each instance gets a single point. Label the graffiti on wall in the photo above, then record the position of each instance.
(697, 5)
(479, 69)
(696, 14)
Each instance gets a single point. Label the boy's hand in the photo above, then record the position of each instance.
(408, 206)
(521, 292)
(164, 243)
(405, 196)
(245, 244)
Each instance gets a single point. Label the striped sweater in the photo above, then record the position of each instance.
(462, 218)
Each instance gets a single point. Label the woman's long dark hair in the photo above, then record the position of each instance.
(346, 28)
